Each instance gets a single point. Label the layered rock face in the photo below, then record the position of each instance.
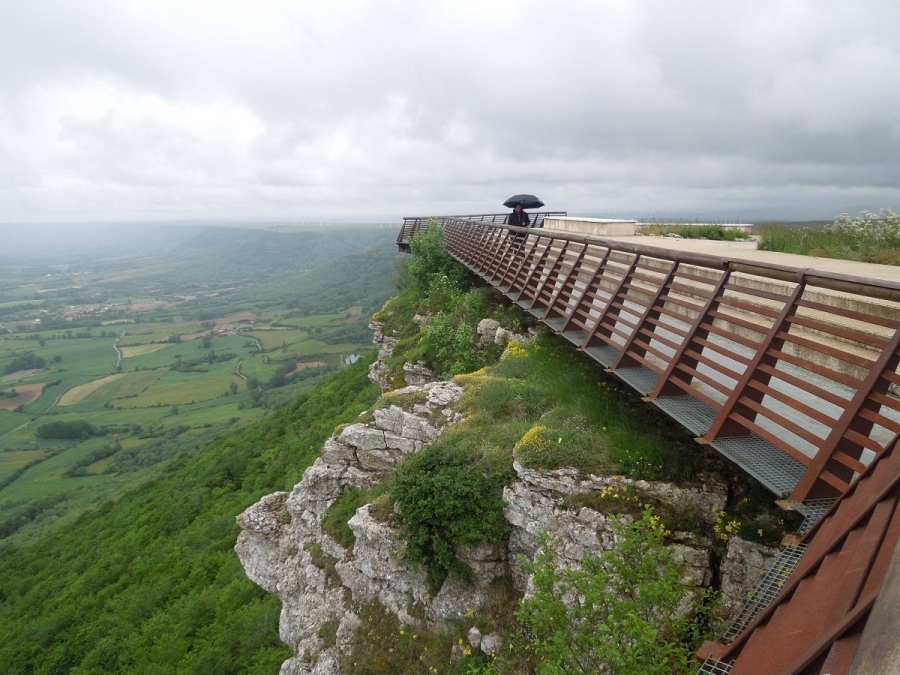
(284, 549)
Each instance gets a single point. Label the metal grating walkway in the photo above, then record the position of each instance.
(576, 337)
(694, 415)
(767, 589)
(770, 466)
(641, 379)
(812, 510)
(770, 585)
(713, 667)
(605, 355)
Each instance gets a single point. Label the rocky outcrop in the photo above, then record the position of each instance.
(535, 504)
(491, 332)
(378, 371)
(742, 568)
(285, 550)
(414, 374)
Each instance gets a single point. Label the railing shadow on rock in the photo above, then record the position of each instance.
(789, 373)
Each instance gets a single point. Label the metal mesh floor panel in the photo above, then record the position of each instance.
(713, 667)
(576, 337)
(555, 322)
(688, 411)
(766, 591)
(524, 303)
(812, 511)
(641, 378)
(779, 472)
(603, 354)
(537, 311)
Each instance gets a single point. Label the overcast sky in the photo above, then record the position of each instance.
(120, 110)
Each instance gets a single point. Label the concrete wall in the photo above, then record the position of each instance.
(600, 227)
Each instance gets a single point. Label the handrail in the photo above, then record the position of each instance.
(414, 224)
(788, 372)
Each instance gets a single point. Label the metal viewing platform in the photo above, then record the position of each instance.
(789, 373)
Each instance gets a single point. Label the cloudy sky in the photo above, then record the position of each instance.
(122, 110)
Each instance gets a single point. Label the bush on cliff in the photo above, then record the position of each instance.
(623, 612)
(448, 499)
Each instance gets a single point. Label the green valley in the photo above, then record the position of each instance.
(119, 353)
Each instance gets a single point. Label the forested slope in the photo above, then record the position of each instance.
(149, 583)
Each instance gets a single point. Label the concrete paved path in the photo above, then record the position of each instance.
(741, 250)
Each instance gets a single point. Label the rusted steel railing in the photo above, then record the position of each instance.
(414, 224)
(792, 374)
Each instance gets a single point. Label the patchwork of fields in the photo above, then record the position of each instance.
(152, 375)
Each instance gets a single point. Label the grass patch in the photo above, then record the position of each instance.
(870, 237)
(141, 350)
(328, 632)
(611, 500)
(324, 562)
(383, 645)
(336, 517)
(81, 392)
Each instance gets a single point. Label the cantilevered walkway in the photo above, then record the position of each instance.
(789, 372)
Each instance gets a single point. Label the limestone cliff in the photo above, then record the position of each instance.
(284, 549)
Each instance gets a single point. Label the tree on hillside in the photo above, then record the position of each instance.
(27, 361)
(66, 430)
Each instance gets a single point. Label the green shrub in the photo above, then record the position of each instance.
(452, 345)
(446, 499)
(616, 614)
(431, 262)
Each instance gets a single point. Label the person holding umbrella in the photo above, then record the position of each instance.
(518, 218)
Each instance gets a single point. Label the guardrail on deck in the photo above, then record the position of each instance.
(786, 372)
(414, 224)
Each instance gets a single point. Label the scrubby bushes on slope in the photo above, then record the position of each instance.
(150, 583)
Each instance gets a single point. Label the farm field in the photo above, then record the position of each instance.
(112, 366)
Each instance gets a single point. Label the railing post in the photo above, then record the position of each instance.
(536, 265)
(664, 386)
(569, 282)
(814, 483)
(722, 425)
(525, 258)
(608, 310)
(623, 360)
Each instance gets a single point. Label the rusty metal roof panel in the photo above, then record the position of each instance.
(815, 624)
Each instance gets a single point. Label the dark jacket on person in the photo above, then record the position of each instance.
(518, 219)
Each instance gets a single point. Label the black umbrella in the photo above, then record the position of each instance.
(527, 202)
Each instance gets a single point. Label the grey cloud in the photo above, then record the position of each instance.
(122, 110)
